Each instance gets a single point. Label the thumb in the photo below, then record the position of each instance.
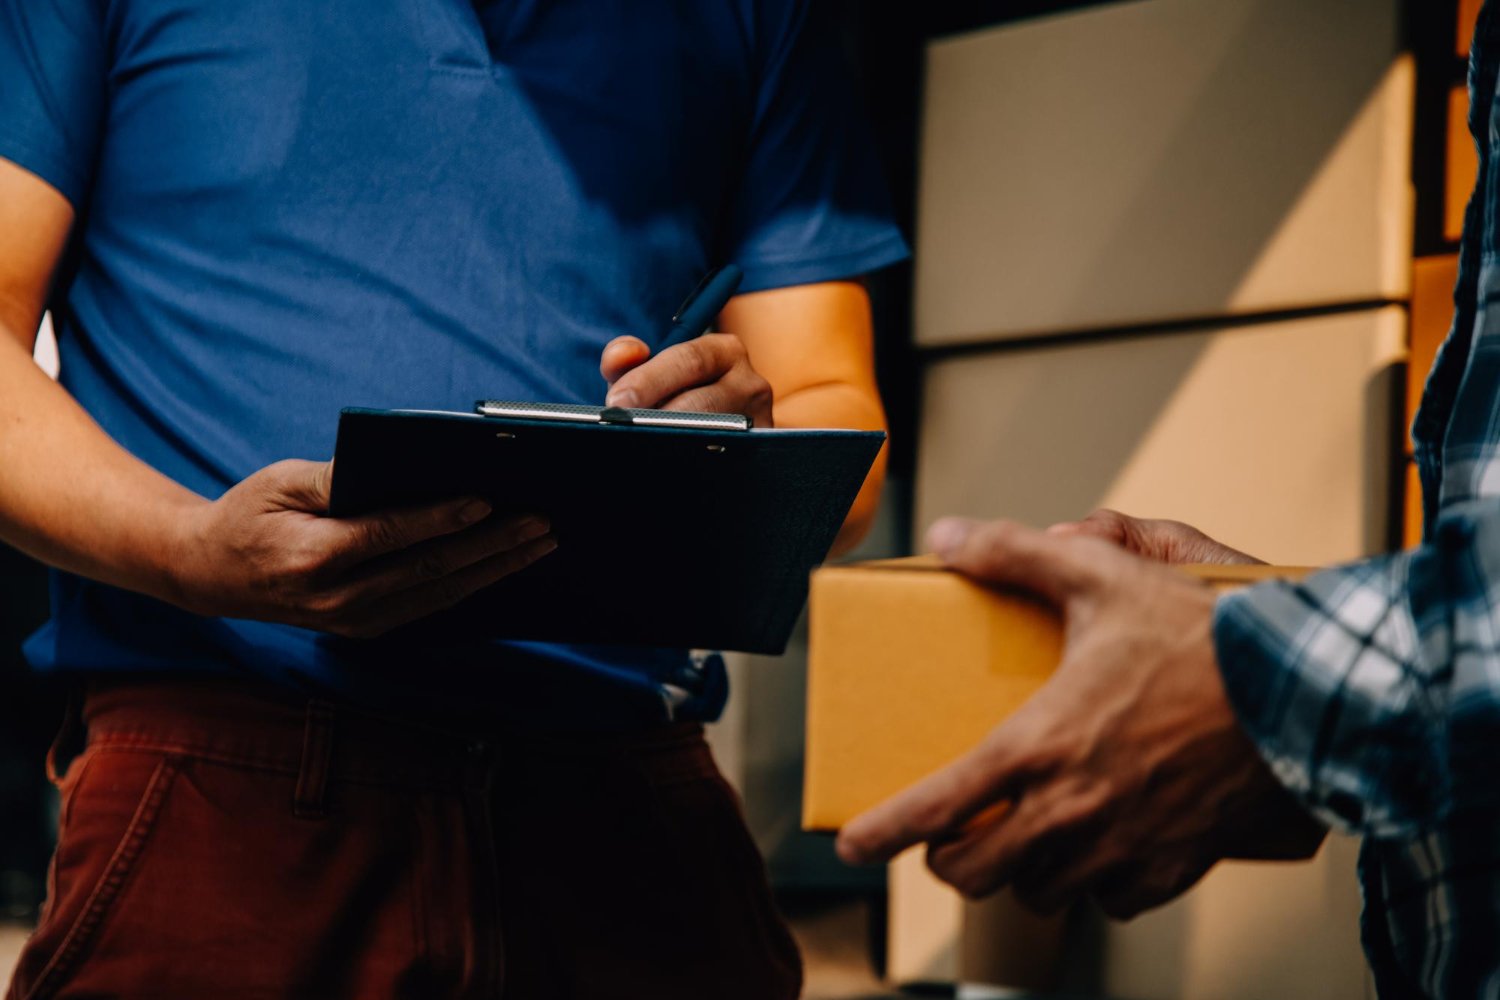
(304, 486)
(1055, 566)
(620, 355)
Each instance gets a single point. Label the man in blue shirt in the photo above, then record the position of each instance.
(247, 216)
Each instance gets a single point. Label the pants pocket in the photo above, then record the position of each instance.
(98, 851)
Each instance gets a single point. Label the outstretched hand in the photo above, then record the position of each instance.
(1126, 777)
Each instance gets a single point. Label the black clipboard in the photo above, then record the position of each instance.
(686, 537)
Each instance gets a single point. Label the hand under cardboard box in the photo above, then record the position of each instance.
(913, 666)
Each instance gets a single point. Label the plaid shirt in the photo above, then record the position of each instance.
(1373, 690)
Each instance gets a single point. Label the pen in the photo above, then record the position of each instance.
(705, 302)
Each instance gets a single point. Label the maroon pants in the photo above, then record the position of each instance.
(218, 843)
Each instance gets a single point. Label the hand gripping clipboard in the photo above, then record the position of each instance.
(671, 531)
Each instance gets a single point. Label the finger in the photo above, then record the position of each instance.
(426, 599)
(620, 355)
(935, 806)
(439, 557)
(348, 542)
(1110, 525)
(1153, 538)
(738, 392)
(679, 368)
(984, 858)
(1003, 552)
(299, 485)
(716, 398)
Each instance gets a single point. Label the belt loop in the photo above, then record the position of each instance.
(317, 753)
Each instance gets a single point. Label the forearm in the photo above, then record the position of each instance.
(72, 497)
(841, 404)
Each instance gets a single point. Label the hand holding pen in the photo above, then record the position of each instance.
(706, 372)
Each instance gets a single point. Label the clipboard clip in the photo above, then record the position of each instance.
(614, 415)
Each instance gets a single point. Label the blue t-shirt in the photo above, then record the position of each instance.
(290, 206)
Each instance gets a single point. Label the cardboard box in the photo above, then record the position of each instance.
(910, 665)
(1133, 163)
(1274, 437)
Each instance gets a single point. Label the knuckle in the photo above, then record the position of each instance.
(758, 392)
(699, 365)
(1110, 523)
(303, 563)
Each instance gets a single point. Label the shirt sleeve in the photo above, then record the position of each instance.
(53, 64)
(1373, 690)
(812, 204)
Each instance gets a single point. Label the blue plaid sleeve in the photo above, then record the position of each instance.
(1373, 690)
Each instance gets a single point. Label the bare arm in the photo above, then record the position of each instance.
(801, 356)
(815, 345)
(72, 497)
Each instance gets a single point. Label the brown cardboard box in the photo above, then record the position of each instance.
(909, 665)
(1135, 163)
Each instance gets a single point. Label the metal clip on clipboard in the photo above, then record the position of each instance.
(616, 415)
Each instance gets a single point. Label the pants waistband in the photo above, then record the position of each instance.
(323, 741)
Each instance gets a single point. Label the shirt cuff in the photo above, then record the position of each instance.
(781, 273)
(53, 169)
(1318, 674)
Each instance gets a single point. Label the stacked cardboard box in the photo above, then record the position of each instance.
(1163, 258)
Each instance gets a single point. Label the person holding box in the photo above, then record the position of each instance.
(244, 217)
(1180, 729)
